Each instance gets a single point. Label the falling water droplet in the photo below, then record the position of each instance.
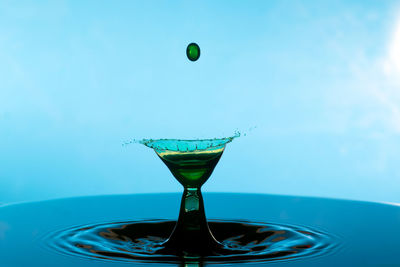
(193, 51)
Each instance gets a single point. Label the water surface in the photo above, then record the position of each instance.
(365, 233)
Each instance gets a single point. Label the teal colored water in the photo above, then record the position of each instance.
(180, 145)
(243, 241)
(363, 233)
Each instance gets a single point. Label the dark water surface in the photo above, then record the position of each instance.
(310, 231)
(242, 241)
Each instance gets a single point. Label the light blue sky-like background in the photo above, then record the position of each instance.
(319, 79)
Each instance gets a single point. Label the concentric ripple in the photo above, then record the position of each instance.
(143, 241)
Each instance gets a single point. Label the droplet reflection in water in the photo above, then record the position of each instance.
(143, 241)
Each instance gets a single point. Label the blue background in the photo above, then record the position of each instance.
(320, 82)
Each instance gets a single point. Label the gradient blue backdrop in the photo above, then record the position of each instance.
(320, 81)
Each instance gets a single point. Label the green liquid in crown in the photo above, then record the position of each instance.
(191, 169)
(190, 161)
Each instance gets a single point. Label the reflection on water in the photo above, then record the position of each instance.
(143, 240)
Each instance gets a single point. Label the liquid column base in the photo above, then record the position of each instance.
(191, 235)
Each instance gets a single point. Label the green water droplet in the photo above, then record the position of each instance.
(193, 51)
